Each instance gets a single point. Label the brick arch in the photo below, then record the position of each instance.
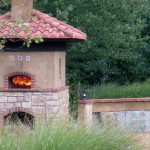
(18, 109)
(20, 73)
(7, 76)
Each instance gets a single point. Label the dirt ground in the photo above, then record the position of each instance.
(144, 138)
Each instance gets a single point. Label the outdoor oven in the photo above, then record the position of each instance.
(33, 80)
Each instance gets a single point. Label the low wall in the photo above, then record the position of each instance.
(125, 112)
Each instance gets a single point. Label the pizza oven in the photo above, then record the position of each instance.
(33, 79)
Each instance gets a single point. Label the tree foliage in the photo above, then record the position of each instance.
(4, 6)
(114, 49)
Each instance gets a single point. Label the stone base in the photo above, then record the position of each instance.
(50, 105)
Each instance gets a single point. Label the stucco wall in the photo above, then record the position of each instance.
(45, 66)
(126, 110)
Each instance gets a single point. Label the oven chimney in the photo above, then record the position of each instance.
(21, 9)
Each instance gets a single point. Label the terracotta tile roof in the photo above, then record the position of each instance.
(42, 25)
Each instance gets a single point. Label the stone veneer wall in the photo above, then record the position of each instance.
(46, 104)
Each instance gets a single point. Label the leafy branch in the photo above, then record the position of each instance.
(29, 41)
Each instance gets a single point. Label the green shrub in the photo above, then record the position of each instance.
(66, 136)
(117, 91)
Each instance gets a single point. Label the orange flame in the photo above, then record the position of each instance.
(22, 81)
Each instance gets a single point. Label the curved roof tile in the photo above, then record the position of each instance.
(42, 25)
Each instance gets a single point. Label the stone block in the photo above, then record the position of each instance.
(65, 108)
(49, 97)
(16, 94)
(12, 99)
(1, 93)
(27, 97)
(55, 109)
(48, 93)
(1, 107)
(64, 94)
(65, 101)
(61, 102)
(49, 110)
(3, 99)
(38, 100)
(37, 93)
(8, 105)
(20, 99)
(17, 104)
(52, 103)
(7, 93)
(34, 109)
(67, 97)
(26, 104)
(40, 110)
(59, 95)
(55, 96)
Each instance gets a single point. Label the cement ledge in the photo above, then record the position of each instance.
(115, 100)
(35, 89)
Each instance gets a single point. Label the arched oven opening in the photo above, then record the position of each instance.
(20, 81)
(19, 119)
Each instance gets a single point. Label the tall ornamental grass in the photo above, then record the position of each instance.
(117, 91)
(66, 136)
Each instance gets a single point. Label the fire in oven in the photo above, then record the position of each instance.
(20, 81)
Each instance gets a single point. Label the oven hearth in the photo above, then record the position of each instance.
(20, 81)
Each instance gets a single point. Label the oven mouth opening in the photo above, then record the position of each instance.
(20, 81)
(19, 119)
